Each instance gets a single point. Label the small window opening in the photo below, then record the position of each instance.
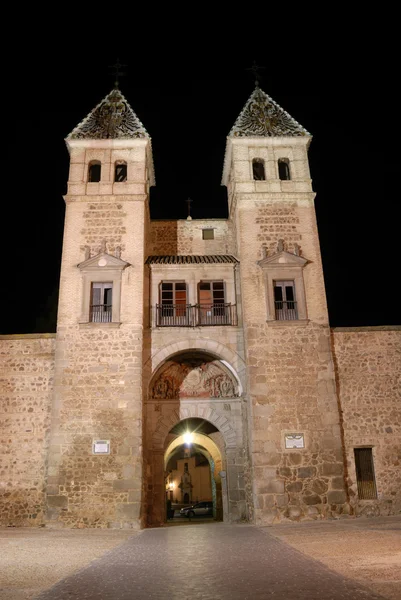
(208, 234)
(101, 303)
(258, 167)
(94, 171)
(283, 169)
(120, 172)
(284, 301)
(365, 475)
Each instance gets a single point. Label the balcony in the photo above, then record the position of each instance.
(286, 310)
(197, 315)
(100, 313)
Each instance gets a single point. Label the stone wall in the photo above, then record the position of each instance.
(368, 365)
(185, 237)
(26, 381)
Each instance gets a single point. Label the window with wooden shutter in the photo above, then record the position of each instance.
(284, 301)
(101, 303)
(365, 475)
(212, 307)
(173, 303)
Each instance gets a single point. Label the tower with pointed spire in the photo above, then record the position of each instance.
(99, 347)
(295, 441)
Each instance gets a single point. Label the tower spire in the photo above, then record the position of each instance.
(255, 70)
(117, 72)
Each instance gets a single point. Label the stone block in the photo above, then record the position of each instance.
(304, 472)
(134, 496)
(336, 497)
(274, 486)
(294, 486)
(294, 513)
(57, 501)
(337, 483)
(319, 486)
(129, 510)
(332, 469)
(295, 458)
(311, 498)
(125, 484)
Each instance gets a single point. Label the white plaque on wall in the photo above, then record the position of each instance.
(101, 447)
(294, 440)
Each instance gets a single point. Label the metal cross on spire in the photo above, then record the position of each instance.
(256, 72)
(117, 72)
(189, 202)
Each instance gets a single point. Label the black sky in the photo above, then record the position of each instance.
(188, 102)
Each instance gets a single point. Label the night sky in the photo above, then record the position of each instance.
(190, 102)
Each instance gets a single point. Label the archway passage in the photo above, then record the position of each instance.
(200, 393)
(194, 461)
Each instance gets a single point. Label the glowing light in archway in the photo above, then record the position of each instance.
(188, 438)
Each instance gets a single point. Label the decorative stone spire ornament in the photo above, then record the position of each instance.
(189, 202)
(103, 248)
(280, 246)
(297, 250)
(87, 252)
(117, 72)
(118, 252)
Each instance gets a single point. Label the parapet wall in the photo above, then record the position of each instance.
(368, 365)
(185, 237)
(26, 385)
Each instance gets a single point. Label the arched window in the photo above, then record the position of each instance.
(120, 171)
(94, 171)
(258, 167)
(284, 169)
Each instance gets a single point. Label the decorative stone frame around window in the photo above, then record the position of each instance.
(288, 267)
(98, 269)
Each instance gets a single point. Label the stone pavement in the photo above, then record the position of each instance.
(208, 562)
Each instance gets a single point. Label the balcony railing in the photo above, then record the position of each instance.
(197, 315)
(286, 310)
(101, 313)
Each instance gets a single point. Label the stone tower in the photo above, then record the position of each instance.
(95, 457)
(294, 425)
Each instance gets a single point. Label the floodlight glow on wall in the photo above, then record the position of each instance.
(188, 438)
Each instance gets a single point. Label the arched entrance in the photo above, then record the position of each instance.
(193, 438)
(194, 385)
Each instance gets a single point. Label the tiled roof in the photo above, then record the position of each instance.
(112, 118)
(263, 117)
(190, 259)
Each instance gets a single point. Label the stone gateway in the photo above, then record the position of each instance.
(215, 325)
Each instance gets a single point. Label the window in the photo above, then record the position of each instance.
(284, 301)
(94, 171)
(284, 287)
(208, 234)
(284, 169)
(258, 167)
(101, 303)
(173, 304)
(365, 475)
(212, 307)
(120, 172)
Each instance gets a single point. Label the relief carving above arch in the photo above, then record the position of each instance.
(194, 378)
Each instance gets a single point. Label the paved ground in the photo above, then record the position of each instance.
(208, 561)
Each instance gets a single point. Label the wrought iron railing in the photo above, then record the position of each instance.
(101, 313)
(197, 315)
(286, 310)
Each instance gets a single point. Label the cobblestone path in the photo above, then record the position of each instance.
(207, 562)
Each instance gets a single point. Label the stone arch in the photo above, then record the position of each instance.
(232, 359)
(207, 413)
